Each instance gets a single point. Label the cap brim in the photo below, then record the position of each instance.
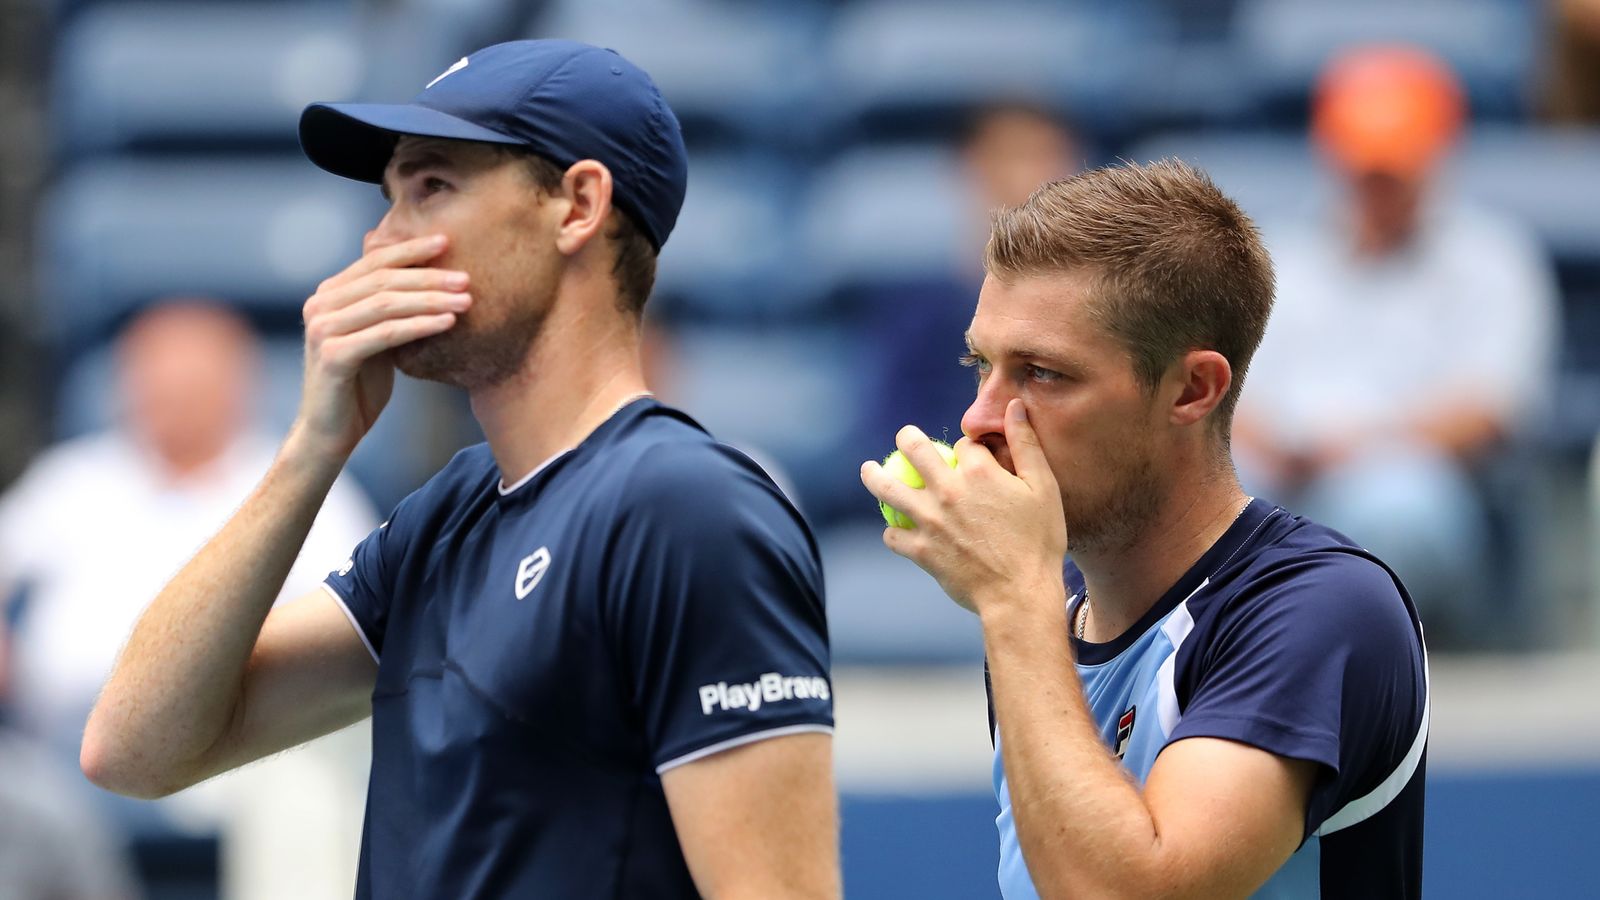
(355, 140)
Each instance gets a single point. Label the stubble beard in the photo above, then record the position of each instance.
(474, 355)
(1118, 519)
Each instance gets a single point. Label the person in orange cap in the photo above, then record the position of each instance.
(1413, 338)
(1385, 117)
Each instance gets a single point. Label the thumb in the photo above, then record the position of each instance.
(1027, 456)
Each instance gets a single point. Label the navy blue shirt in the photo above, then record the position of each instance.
(546, 651)
(1288, 637)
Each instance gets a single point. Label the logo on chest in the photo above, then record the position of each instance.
(531, 571)
(1125, 730)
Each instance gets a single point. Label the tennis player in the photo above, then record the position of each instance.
(593, 649)
(1219, 698)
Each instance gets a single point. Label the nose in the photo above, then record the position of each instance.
(984, 420)
(389, 231)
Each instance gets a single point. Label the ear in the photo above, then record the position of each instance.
(1201, 379)
(587, 189)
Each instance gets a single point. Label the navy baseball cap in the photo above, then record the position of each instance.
(563, 100)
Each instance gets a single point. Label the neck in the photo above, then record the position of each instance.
(1127, 581)
(583, 366)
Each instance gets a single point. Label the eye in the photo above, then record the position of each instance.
(1035, 373)
(432, 185)
(978, 364)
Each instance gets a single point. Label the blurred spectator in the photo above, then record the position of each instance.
(1572, 87)
(917, 330)
(1411, 338)
(114, 515)
(51, 844)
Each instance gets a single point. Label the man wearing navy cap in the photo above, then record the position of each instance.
(593, 648)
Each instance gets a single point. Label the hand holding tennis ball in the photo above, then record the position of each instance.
(897, 465)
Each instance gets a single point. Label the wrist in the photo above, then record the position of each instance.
(306, 453)
(1022, 604)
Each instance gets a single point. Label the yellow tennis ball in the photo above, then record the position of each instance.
(897, 465)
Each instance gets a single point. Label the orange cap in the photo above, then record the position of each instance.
(1390, 109)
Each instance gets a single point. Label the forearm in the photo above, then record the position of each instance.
(1084, 827)
(177, 686)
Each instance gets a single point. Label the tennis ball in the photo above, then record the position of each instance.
(897, 465)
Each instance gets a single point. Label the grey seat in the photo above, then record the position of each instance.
(882, 609)
(262, 233)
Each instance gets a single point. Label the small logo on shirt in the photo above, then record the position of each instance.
(455, 67)
(532, 571)
(769, 688)
(1125, 730)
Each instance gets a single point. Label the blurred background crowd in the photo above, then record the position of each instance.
(1426, 173)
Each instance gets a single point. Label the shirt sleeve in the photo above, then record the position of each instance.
(716, 607)
(364, 584)
(345, 519)
(1319, 660)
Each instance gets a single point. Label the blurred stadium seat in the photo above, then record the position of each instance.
(462, 25)
(1274, 176)
(731, 256)
(731, 71)
(886, 215)
(907, 68)
(184, 75)
(1285, 43)
(787, 394)
(882, 609)
(1548, 178)
(122, 232)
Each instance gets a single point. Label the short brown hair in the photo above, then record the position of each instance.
(634, 266)
(1175, 265)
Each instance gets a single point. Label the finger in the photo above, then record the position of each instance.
(1027, 456)
(891, 490)
(394, 256)
(386, 305)
(919, 450)
(336, 297)
(349, 351)
(974, 453)
(902, 541)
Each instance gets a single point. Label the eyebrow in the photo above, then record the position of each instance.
(1050, 359)
(413, 161)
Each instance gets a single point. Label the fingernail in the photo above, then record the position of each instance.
(1018, 411)
(456, 280)
(462, 302)
(436, 241)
